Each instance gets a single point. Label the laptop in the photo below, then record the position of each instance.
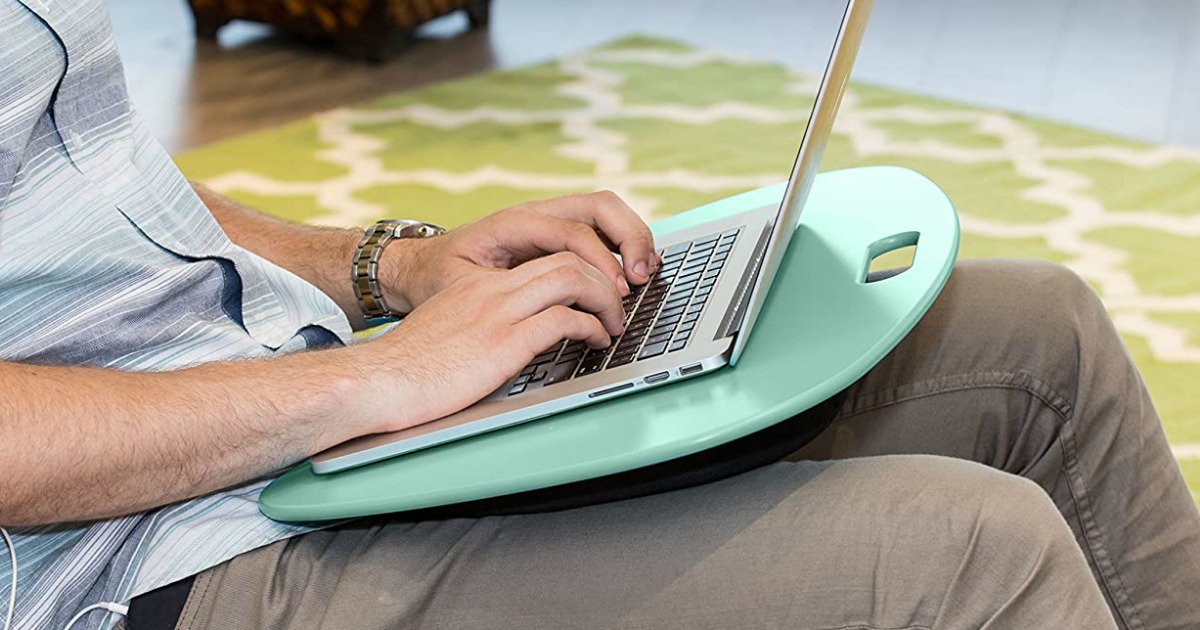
(694, 316)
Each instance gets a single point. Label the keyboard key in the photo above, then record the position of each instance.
(624, 359)
(597, 352)
(634, 336)
(682, 279)
(696, 307)
(676, 303)
(658, 330)
(678, 344)
(528, 371)
(684, 327)
(666, 272)
(685, 286)
(642, 318)
(693, 266)
(707, 239)
(676, 249)
(561, 372)
(723, 249)
(719, 258)
(656, 290)
(668, 321)
(516, 389)
(701, 250)
(546, 356)
(637, 328)
(707, 282)
(653, 350)
(704, 292)
(540, 373)
(691, 317)
(591, 366)
(569, 356)
(650, 307)
(659, 338)
(671, 312)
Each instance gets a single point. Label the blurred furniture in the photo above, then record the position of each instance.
(366, 28)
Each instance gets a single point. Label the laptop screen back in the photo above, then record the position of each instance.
(808, 159)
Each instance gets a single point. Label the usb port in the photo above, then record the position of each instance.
(689, 369)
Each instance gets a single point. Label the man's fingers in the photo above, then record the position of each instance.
(565, 279)
(559, 322)
(618, 223)
(538, 234)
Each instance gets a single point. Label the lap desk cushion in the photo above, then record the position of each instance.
(823, 327)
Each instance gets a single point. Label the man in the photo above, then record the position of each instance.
(163, 347)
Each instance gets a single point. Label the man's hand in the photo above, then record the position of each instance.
(472, 336)
(591, 226)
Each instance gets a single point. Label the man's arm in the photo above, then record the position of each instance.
(320, 255)
(82, 443)
(413, 270)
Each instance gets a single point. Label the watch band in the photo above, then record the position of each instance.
(365, 267)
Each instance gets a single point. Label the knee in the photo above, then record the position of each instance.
(979, 509)
(1041, 315)
(1041, 299)
(1015, 514)
(1012, 554)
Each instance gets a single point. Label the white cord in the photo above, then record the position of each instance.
(111, 607)
(12, 591)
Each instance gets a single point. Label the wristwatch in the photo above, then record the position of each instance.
(365, 267)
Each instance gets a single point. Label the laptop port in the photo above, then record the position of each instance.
(657, 378)
(690, 369)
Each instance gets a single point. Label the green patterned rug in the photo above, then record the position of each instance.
(655, 120)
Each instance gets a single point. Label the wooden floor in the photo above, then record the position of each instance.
(1127, 66)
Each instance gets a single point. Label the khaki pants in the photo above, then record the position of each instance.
(1002, 468)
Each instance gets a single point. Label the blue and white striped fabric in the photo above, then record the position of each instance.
(109, 259)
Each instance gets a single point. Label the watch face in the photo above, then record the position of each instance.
(418, 230)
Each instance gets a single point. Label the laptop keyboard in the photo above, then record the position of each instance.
(659, 316)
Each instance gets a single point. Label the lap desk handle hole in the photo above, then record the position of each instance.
(890, 257)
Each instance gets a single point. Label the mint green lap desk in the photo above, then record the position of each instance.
(823, 327)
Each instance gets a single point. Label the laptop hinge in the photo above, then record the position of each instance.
(731, 322)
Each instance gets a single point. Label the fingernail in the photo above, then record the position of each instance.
(641, 268)
(624, 284)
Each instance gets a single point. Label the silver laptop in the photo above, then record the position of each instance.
(693, 317)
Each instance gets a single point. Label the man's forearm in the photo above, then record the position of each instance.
(320, 255)
(82, 443)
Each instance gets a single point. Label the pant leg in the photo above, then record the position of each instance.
(891, 542)
(1018, 366)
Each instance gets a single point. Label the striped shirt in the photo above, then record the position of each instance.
(109, 259)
